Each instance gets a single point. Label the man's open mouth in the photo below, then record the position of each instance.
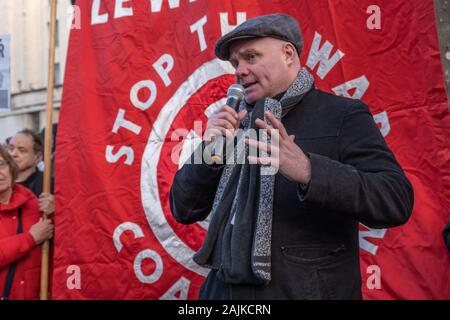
(247, 85)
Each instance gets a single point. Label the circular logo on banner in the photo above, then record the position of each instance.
(203, 90)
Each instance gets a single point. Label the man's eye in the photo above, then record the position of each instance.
(251, 57)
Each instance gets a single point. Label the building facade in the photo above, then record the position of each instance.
(28, 24)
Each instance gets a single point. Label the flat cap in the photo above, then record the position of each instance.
(278, 26)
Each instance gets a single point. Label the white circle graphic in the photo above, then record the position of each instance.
(174, 246)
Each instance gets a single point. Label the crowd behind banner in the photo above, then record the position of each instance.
(25, 215)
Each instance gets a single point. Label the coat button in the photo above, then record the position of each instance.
(14, 217)
(22, 282)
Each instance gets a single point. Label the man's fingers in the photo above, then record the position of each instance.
(274, 133)
(44, 195)
(223, 124)
(258, 160)
(217, 133)
(231, 112)
(262, 125)
(277, 124)
(260, 145)
(242, 114)
(229, 117)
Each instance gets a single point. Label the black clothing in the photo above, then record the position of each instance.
(354, 178)
(35, 183)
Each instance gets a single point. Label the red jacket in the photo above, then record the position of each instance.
(20, 248)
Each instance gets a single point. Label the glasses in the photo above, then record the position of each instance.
(3, 163)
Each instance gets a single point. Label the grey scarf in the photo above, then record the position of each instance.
(238, 242)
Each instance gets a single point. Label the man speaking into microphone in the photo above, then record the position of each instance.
(234, 97)
(292, 235)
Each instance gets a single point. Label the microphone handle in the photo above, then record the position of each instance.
(219, 145)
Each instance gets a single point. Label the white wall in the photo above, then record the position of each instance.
(10, 127)
(27, 21)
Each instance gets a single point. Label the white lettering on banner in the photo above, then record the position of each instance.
(198, 27)
(163, 72)
(141, 256)
(163, 66)
(156, 274)
(322, 56)
(96, 17)
(126, 226)
(99, 17)
(361, 85)
(121, 11)
(74, 280)
(123, 151)
(374, 280)
(179, 291)
(371, 233)
(143, 105)
(121, 122)
(225, 27)
(157, 4)
(382, 120)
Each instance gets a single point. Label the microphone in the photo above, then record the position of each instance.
(235, 94)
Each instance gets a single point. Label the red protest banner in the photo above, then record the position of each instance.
(141, 80)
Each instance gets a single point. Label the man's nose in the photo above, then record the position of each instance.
(241, 70)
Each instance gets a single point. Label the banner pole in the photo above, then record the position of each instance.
(48, 147)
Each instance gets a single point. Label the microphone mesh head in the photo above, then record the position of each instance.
(236, 90)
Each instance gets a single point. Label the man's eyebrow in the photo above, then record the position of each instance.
(247, 51)
(243, 53)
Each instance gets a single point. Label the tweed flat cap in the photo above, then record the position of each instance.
(278, 26)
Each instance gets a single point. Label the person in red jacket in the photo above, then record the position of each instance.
(26, 149)
(22, 230)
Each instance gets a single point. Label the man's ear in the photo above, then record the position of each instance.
(38, 157)
(289, 52)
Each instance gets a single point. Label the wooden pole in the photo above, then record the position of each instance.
(45, 255)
